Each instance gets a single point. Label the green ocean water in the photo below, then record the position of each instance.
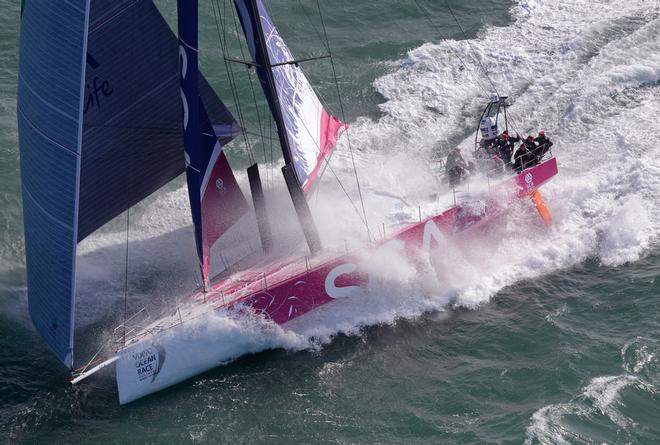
(540, 337)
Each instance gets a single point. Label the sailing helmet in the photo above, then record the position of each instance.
(530, 138)
(505, 135)
(541, 132)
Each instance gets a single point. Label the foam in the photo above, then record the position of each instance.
(602, 397)
(241, 334)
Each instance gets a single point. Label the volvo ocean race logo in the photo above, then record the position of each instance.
(96, 89)
(529, 180)
(220, 185)
(149, 362)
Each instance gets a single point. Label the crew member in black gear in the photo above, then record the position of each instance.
(543, 143)
(505, 146)
(534, 150)
(456, 167)
(524, 158)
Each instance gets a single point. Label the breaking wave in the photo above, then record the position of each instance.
(610, 409)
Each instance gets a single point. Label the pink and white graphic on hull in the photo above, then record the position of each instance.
(281, 294)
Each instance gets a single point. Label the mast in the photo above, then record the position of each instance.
(297, 196)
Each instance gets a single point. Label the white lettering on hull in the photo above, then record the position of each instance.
(340, 292)
(432, 232)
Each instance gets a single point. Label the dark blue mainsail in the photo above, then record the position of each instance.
(50, 124)
(99, 115)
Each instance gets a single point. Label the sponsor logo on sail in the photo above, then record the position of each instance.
(97, 89)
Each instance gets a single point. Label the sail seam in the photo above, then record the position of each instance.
(100, 24)
(137, 102)
(38, 96)
(36, 202)
(43, 135)
(74, 6)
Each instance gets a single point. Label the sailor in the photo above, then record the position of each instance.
(534, 151)
(543, 143)
(488, 147)
(524, 158)
(455, 167)
(505, 146)
(512, 139)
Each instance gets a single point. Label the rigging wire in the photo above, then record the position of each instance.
(93, 360)
(341, 185)
(249, 76)
(271, 167)
(128, 214)
(445, 40)
(483, 68)
(514, 125)
(311, 23)
(231, 77)
(343, 117)
(308, 130)
(326, 160)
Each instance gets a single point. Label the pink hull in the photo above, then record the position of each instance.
(284, 292)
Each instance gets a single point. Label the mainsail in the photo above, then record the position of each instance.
(310, 130)
(99, 117)
(216, 200)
